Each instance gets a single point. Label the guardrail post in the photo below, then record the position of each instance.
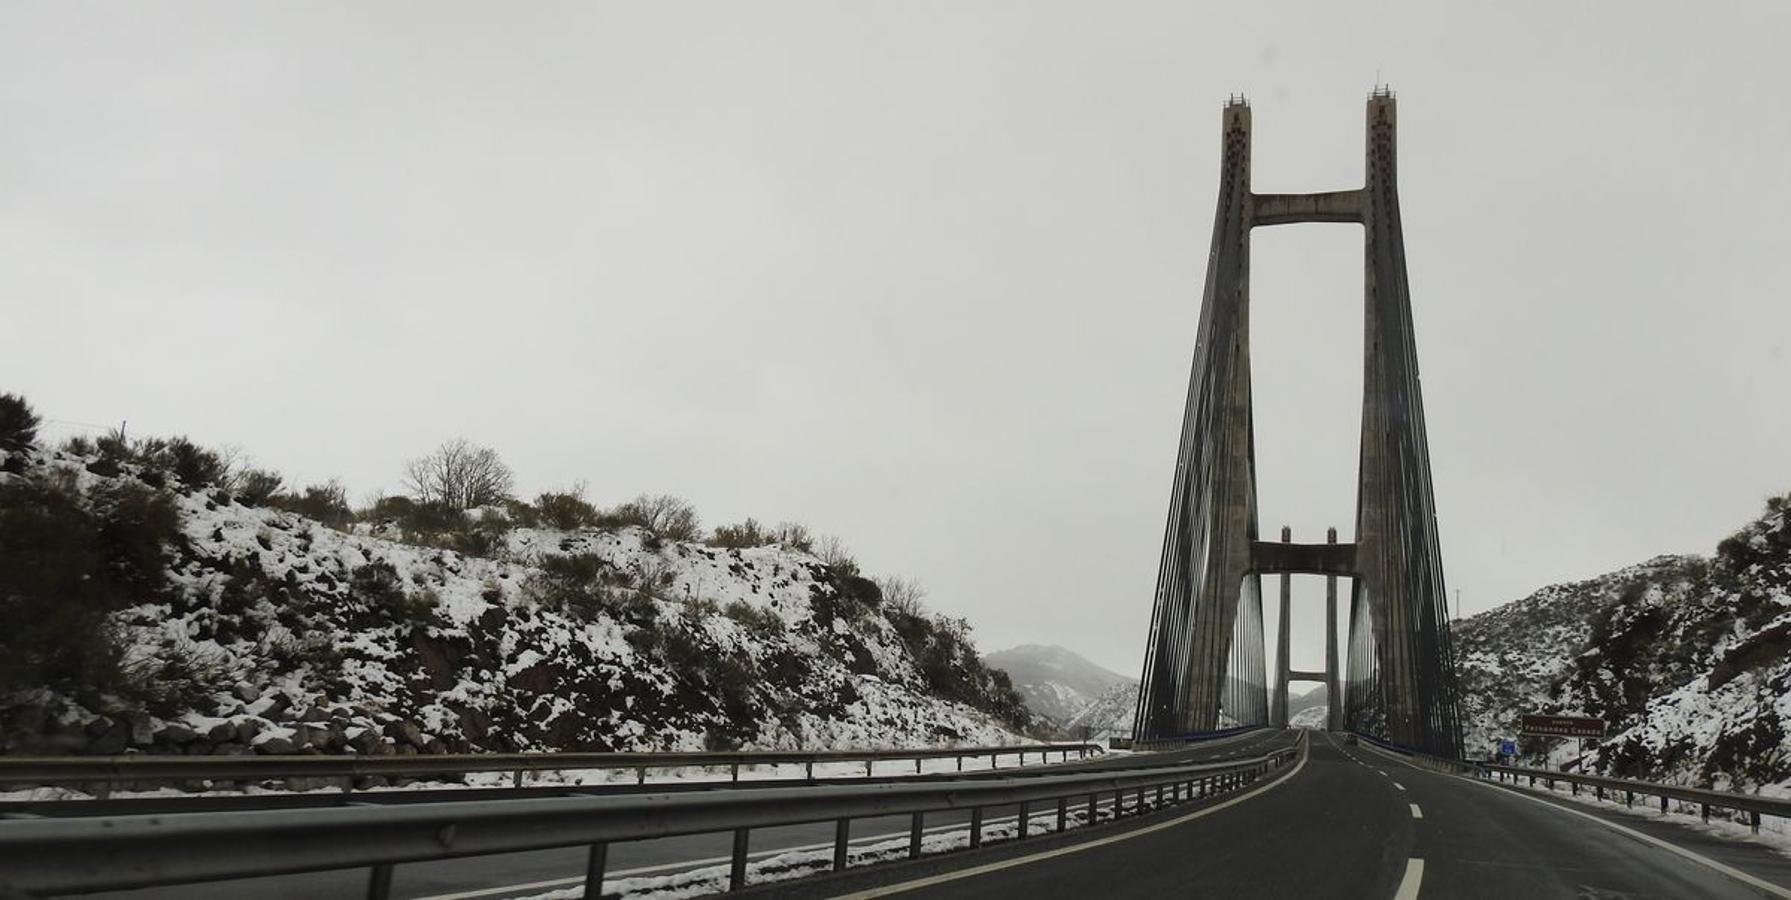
(516, 778)
(1629, 798)
(1094, 810)
(976, 827)
(1600, 791)
(811, 770)
(1705, 810)
(1753, 821)
(1063, 813)
(867, 768)
(737, 865)
(917, 765)
(379, 882)
(1663, 803)
(994, 760)
(914, 830)
(1025, 818)
(595, 863)
(842, 835)
(960, 763)
(640, 775)
(734, 773)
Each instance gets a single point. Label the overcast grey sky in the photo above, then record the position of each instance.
(924, 275)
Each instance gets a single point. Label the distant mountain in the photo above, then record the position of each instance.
(1687, 658)
(1313, 698)
(1108, 715)
(1056, 683)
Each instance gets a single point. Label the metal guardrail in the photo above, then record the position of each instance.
(1198, 737)
(1753, 805)
(105, 771)
(56, 856)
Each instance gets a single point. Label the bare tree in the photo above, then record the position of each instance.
(903, 595)
(458, 475)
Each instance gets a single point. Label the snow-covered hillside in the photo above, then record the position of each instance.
(1056, 683)
(1111, 714)
(1689, 659)
(269, 632)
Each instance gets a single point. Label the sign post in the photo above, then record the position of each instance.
(1581, 727)
(1535, 725)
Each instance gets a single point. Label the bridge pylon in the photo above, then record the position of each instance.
(1203, 664)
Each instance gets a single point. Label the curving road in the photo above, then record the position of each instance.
(1352, 822)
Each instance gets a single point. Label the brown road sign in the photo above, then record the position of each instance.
(1561, 726)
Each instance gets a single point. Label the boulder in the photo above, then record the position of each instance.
(110, 741)
(274, 746)
(142, 727)
(230, 748)
(248, 729)
(247, 692)
(176, 734)
(221, 732)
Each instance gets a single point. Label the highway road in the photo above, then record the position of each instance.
(1352, 822)
(523, 874)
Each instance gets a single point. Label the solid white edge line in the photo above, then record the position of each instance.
(678, 867)
(1416, 812)
(1669, 846)
(974, 871)
(1414, 877)
(673, 867)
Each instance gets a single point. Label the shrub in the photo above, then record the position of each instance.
(326, 502)
(257, 487)
(70, 562)
(902, 596)
(565, 510)
(195, 466)
(833, 552)
(662, 514)
(755, 619)
(18, 423)
(739, 537)
(379, 588)
(586, 585)
(459, 475)
(796, 536)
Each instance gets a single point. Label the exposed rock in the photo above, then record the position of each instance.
(112, 740)
(274, 746)
(175, 734)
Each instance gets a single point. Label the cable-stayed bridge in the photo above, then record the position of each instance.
(1205, 663)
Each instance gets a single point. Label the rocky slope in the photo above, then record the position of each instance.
(1055, 682)
(1109, 715)
(1688, 658)
(250, 629)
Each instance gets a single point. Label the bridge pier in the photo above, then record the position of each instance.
(1278, 709)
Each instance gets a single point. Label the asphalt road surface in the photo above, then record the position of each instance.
(523, 874)
(1352, 823)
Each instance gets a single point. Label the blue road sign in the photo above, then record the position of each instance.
(1508, 748)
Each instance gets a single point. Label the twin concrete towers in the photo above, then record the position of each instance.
(1204, 666)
